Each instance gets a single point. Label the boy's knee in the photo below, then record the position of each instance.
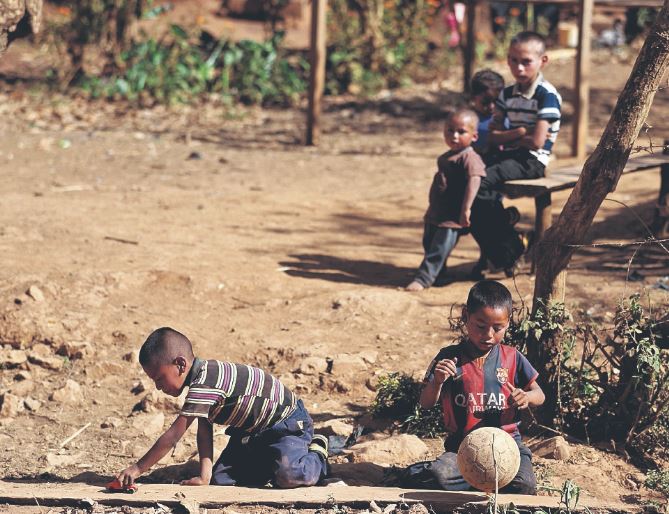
(522, 485)
(290, 476)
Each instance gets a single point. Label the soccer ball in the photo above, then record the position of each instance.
(484, 449)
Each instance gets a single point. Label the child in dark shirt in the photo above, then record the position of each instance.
(453, 190)
(481, 382)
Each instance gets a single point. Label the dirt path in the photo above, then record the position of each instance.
(259, 249)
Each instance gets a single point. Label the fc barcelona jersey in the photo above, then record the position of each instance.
(479, 395)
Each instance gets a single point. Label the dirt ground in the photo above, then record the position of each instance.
(261, 250)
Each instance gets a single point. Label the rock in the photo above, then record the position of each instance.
(358, 473)
(32, 404)
(55, 460)
(369, 356)
(12, 406)
(111, 422)
(75, 349)
(52, 363)
(71, 393)
(553, 448)
(396, 450)
(334, 427)
(346, 364)
(22, 387)
(132, 356)
(418, 508)
(149, 424)
(139, 387)
(22, 375)
(155, 401)
(35, 293)
(372, 383)
(313, 366)
(12, 358)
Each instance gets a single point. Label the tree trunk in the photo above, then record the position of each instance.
(599, 177)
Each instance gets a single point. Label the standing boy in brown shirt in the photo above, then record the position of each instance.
(453, 190)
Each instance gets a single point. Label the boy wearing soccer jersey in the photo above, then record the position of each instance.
(482, 383)
(271, 434)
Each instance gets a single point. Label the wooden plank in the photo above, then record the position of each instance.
(566, 177)
(59, 494)
(317, 72)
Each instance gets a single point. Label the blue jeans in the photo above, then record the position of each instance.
(438, 243)
(279, 454)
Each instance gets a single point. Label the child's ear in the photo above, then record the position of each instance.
(544, 60)
(180, 362)
(475, 136)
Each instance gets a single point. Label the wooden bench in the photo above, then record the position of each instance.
(566, 177)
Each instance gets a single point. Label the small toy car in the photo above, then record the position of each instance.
(115, 486)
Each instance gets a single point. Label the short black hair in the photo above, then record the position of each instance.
(529, 36)
(485, 80)
(489, 293)
(163, 346)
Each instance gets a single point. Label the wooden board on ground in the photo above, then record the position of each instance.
(73, 494)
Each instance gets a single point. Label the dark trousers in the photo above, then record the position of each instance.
(509, 165)
(278, 454)
(438, 243)
(443, 473)
(498, 240)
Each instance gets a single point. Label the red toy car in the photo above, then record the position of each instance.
(115, 486)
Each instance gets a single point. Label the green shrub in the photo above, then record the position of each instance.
(397, 398)
(174, 69)
(658, 480)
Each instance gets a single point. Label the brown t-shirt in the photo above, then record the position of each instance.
(449, 184)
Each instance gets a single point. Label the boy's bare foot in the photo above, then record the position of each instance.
(414, 286)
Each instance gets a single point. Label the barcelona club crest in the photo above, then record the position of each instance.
(502, 375)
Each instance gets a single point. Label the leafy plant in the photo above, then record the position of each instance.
(397, 398)
(176, 69)
(658, 480)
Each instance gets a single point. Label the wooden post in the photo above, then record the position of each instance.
(530, 18)
(543, 218)
(582, 84)
(317, 56)
(660, 226)
(469, 54)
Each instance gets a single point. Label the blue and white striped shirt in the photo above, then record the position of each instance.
(523, 109)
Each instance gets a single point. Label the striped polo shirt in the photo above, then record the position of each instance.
(236, 395)
(479, 397)
(541, 101)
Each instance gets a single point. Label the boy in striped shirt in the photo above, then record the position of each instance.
(525, 124)
(271, 434)
(527, 115)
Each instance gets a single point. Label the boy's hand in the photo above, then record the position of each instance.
(128, 475)
(444, 369)
(195, 481)
(464, 218)
(520, 399)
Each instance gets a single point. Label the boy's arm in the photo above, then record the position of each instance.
(537, 138)
(443, 370)
(159, 449)
(499, 135)
(471, 190)
(533, 397)
(205, 447)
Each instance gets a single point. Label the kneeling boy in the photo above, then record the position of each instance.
(271, 434)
